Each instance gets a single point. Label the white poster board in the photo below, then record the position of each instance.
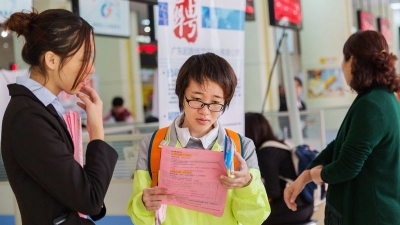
(190, 27)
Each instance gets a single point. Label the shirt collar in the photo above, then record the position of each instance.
(41, 92)
(184, 134)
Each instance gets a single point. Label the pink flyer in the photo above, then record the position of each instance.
(192, 175)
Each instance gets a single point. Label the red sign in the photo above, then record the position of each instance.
(365, 20)
(384, 28)
(147, 48)
(13, 66)
(288, 9)
(185, 20)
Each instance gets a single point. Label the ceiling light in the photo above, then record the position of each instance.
(145, 22)
(4, 34)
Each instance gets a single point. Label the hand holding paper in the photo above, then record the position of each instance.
(192, 176)
(153, 196)
(239, 178)
(152, 200)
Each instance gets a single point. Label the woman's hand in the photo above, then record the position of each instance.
(316, 175)
(239, 178)
(293, 190)
(152, 197)
(93, 107)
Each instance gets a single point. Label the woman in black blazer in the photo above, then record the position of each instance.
(37, 149)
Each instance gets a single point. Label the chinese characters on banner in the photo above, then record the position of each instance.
(185, 20)
(189, 27)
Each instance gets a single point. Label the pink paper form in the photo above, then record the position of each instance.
(73, 121)
(192, 176)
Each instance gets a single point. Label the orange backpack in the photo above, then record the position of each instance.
(154, 153)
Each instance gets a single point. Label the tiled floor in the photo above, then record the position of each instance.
(319, 213)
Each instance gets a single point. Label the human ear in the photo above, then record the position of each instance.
(51, 60)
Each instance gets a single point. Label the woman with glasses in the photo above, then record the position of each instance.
(205, 86)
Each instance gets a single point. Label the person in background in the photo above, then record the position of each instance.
(205, 86)
(118, 112)
(284, 120)
(274, 161)
(50, 186)
(362, 165)
(149, 118)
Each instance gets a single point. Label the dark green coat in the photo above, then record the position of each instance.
(362, 165)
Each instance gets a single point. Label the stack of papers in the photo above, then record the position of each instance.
(74, 124)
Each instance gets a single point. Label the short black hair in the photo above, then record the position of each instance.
(299, 81)
(118, 101)
(206, 67)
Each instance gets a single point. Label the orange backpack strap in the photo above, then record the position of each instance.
(154, 154)
(237, 139)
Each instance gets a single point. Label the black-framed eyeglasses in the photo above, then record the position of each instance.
(197, 104)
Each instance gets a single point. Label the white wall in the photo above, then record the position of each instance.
(111, 68)
(117, 197)
(395, 28)
(323, 36)
(259, 40)
(118, 67)
(7, 199)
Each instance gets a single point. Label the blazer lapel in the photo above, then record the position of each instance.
(20, 90)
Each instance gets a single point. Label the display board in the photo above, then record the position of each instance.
(111, 18)
(285, 13)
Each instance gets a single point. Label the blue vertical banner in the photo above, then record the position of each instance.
(189, 27)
